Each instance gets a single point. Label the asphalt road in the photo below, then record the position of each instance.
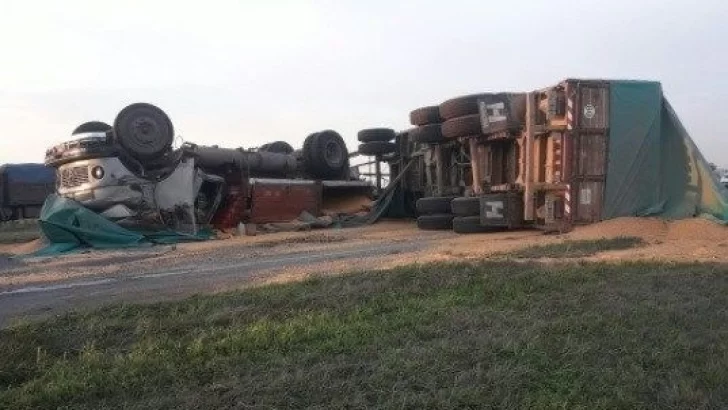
(183, 278)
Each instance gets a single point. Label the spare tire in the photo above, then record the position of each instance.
(92, 126)
(376, 134)
(461, 106)
(427, 134)
(376, 148)
(437, 222)
(434, 205)
(325, 154)
(144, 131)
(466, 126)
(425, 116)
(279, 147)
(466, 206)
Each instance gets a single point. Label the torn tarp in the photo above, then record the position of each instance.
(68, 226)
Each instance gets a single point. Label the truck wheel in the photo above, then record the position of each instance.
(437, 222)
(427, 134)
(470, 224)
(434, 205)
(466, 206)
(325, 154)
(375, 148)
(143, 130)
(425, 116)
(92, 126)
(376, 134)
(466, 126)
(279, 147)
(461, 106)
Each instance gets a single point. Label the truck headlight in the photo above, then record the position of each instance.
(98, 172)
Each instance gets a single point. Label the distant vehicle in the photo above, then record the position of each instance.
(23, 189)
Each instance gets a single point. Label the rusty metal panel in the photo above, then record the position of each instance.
(284, 200)
(591, 155)
(233, 208)
(592, 110)
(589, 199)
(512, 159)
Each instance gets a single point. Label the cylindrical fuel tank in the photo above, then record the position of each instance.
(263, 162)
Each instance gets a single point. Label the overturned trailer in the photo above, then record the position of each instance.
(577, 152)
(129, 173)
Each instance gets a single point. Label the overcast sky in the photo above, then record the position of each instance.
(241, 73)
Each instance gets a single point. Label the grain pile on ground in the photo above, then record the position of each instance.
(695, 239)
(28, 247)
(645, 228)
(654, 229)
(697, 229)
(681, 241)
(345, 204)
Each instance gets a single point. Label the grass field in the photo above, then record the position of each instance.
(490, 334)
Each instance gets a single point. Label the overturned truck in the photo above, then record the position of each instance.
(131, 174)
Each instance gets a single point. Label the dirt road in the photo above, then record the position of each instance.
(45, 286)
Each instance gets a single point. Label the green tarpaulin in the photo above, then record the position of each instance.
(68, 225)
(654, 167)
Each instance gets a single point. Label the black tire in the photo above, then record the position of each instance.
(428, 134)
(466, 206)
(437, 222)
(306, 154)
(376, 135)
(434, 205)
(466, 126)
(92, 126)
(470, 224)
(376, 148)
(143, 130)
(279, 147)
(325, 155)
(425, 116)
(461, 106)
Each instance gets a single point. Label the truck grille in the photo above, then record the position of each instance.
(74, 176)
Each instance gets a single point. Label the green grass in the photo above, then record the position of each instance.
(490, 334)
(577, 248)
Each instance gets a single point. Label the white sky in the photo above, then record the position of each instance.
(241, 73)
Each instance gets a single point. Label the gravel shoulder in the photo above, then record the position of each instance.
(29, 286)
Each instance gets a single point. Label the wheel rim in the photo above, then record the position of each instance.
(333, 153)
(144, 131)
